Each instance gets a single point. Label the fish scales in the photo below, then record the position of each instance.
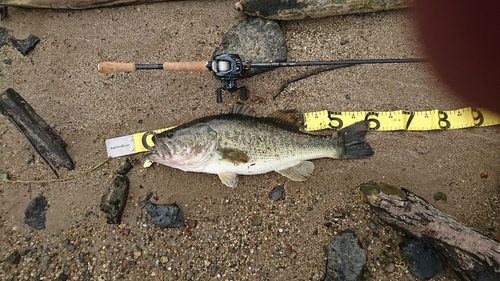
(239, 143)
(263, 141)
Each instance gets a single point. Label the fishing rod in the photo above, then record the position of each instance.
(229, 67)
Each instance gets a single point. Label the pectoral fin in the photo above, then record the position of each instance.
(298, 172)
(228, 179)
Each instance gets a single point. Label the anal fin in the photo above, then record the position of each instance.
(228, 179)
(298, 172)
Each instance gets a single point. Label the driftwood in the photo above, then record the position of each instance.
(295, 9)
(72, 4)
(473, 255)
(41, 136)
(271, 9)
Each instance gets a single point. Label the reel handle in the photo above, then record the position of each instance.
(114, 67)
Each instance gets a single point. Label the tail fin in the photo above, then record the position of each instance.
(353, 140)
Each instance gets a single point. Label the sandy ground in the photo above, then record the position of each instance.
(60, 80)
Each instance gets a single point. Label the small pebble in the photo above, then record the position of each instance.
(70, 247)
(484, 175)
(277, 193)
(125, 167)
(439, 196)
(164, 259)
(290, 252)
(421, 258)
(390, 268)
(256, 220)
(34, 215)
(372, 225)
(191, 223)
(214, 270)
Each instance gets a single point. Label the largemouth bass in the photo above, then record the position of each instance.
(239, 143)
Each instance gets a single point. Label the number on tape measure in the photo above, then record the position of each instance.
(144, 140)
(443, 120)
(335, 120)
(374, 120)
(479, 118)
(410, 118)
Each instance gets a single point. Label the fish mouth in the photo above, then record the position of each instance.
(164, 150)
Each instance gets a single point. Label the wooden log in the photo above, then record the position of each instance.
(72, 4)
(473, 255)
(41, 136)
(303, 9)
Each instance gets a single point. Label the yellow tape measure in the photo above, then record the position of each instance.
(403, 120)
(320, 120)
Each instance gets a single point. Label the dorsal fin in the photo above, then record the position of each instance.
(242, 110)
(290, 119)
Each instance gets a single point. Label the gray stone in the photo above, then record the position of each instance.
(113, 202)
(125, 167)
(346, 257)
(26, 45)
(255, 40)
(422, 259)
(277, 193)
(163, 216)
(34, 215)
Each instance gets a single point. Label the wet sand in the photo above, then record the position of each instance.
(60, 80)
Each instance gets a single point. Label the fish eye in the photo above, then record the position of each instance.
(170, 134)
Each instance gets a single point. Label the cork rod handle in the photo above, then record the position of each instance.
(113, 67)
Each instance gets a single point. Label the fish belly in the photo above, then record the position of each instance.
(261, 166)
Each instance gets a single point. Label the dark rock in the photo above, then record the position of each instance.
(439, 196)
(168, 215)
(255, 40)
(372, 224)
(34, 215)
(421, 258)
(214, 270)
(62, 277)
(4, 36)
(14, 258)
(277, 193)
(346, 257)
(113, 202)
(125, 168)
(70, 247)
(26, 45)
(7, 61)
(3, 12)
